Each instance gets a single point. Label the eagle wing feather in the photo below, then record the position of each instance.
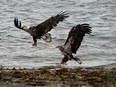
(50, 23)
(75, 37)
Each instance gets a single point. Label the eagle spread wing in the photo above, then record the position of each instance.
(44, 27)
(50, 23)
(75, 37)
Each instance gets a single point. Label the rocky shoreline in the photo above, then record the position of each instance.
(101, 76)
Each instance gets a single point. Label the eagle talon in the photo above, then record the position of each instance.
(79, 62)
(59, 65)
(47, 37)
(34, 45)
(64, 63)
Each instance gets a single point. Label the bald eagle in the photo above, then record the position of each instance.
(73, 42)
(41, 30)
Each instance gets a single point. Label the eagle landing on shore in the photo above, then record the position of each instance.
(41, 30)
(73, 42)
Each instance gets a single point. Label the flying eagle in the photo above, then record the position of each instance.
(73, 42)
(41, 30)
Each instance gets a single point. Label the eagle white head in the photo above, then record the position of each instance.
(25, 27)
(60, 47)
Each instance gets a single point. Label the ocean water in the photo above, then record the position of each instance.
(16, 45)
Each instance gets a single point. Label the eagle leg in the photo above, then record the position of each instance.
(47, 37)
(77, 59)
(35, 42)
(64, 60)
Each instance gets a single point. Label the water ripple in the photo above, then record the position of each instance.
(15, 45)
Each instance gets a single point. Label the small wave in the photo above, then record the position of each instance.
(109, 66)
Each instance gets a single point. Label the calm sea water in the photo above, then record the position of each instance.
(16, 45)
